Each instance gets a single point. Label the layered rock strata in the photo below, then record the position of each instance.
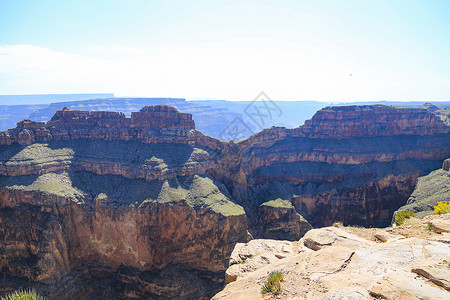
(353, 164)
(95, 201)
(152, 124)
(278, 219)
(97, 209)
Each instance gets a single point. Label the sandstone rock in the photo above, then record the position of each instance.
(384, 236)
(319, 238)
(446, 165)
(348, 293)
(344, 266)
(340, 155)
(162, 116)
(26, 137)
(255, 254)
(152, 124)
(440, 226)
(54, 225)
(371, 120)
(402, 285)
(439, 275)
(279, 220)
(320, 175)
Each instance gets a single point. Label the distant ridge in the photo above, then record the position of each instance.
(49, 98)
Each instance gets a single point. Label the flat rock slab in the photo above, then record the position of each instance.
(439, 275)
(440, 226)
(345, 266)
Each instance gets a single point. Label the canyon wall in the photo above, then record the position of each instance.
(92, 207)
(354, 164)
(429, 190)
(152, 124)
(95, 204)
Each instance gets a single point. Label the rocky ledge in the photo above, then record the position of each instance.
(406, 262)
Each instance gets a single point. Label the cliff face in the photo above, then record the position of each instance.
(152, 124)
(352, 164)
(95, 204)
(59, 223)
(279, 220)
(428, 191)
(371, 120)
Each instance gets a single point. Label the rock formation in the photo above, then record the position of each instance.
(430, 106)
(429, 190)
(346, 263)
(352, 164)
(155, 124)
(278, 219)
(95, 204)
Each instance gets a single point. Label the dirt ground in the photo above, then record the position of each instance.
(412, 227)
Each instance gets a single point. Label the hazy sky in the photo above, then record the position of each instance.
(292, 50)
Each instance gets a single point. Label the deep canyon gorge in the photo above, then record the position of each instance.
(98, 205)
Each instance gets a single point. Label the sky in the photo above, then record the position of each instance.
(334, 51)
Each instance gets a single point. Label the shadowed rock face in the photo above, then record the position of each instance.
(352, 164)
(57, 222)
(279, 220)
(94, 204)
(95, 209)
(428, 191)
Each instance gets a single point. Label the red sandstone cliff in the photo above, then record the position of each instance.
(152, 124)
(343, 122)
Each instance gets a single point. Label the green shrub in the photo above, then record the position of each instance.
(428, 227)
(402, 216)
(338, 224)
(273, 284)
(442, 207)
(23, 295)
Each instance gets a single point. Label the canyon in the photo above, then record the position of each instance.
(97, 204)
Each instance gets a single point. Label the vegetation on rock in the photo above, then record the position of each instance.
(429, 190)
(402, 216)
(273, 284)
(444, 114)
(442, 207)
(23, 295)
(279, 203)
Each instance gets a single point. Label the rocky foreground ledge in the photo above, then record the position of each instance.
(406, 262)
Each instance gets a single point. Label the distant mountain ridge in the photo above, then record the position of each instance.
(222, 119)
(49, 98)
